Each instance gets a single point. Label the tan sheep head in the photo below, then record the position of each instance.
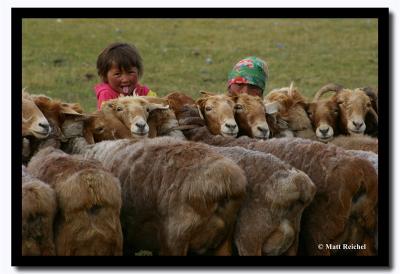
(133, 112)
(104, 126)
(324, 116)
(291, 109)
(57, 112)
(33, 121)
(217, 111)
(354, 106)
(250, 116)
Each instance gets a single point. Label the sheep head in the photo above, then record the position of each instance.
(57, 113)
(250, 116)
(354, 105)
(217, 111)
(133, 112)
(292, 110)
(33, 121)
(324, 116)
(104, 126)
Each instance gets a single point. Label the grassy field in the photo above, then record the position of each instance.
(190, 55)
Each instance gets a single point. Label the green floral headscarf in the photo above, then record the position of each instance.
(251, 70)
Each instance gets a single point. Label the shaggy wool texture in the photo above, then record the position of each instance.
(178, 196)
(344, 208)
(39, 208)
(89, 203)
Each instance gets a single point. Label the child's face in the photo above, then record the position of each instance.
(122, 81)
(245, 88)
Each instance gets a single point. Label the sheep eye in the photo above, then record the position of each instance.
(208, 108)
(119, 108)
(147, 109)
(99, 129)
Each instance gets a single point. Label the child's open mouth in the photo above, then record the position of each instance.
(125, 90)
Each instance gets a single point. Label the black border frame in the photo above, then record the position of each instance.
(382, 14)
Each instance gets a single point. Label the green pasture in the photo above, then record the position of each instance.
(190, 55)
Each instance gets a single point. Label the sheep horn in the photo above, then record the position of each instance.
(291, 88)
(329, 87)
(374, 114)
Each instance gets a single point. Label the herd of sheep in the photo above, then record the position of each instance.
(220, 175)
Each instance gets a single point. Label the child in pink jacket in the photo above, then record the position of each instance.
(120, 67)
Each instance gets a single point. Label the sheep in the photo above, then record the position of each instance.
(163, 122)
(217, 112)
(133, 112)
(38, 211)
(102, 126)
(324, 113)
(367, 155)
(178, 196)
(34, 123)
(176, 100)
(354, 107)
(56, 112)
(292, 110)
(269, 219)
(250, 114)
(370, 123)
(89, 203)
(356, 142)
(350, 181)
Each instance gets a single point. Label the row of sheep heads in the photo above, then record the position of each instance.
(347, 112)
(234, 115)
(42, 116)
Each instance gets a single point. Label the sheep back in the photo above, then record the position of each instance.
(177, 196)
(335, 174)
(38, 212)
(89, 200)
(269, 219)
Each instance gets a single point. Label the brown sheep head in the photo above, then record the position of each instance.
(217, 111)
(354, 105)
(292, 109)
(176, 100)
(57, 112)
(33, 121)
(104, 126)
(133, 112)
(250, 116)
(324, 116)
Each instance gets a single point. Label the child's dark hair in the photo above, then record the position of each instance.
(121, 54)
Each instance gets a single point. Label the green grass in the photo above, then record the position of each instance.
(59, 58)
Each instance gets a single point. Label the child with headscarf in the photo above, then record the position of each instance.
(249, 75)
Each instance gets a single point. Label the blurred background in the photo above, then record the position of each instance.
(191, 55)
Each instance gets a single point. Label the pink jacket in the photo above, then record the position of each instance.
(104, 92)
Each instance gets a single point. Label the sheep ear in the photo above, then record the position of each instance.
(207, 93)
(199, 110)
(271, 108)
(70, 111)
(153, 106)
(88, 135)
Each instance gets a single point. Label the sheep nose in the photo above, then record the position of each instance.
(358, 124)
(324, 131)
(46, 127)
(231, 126)
(141, 125)
(263, 130)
